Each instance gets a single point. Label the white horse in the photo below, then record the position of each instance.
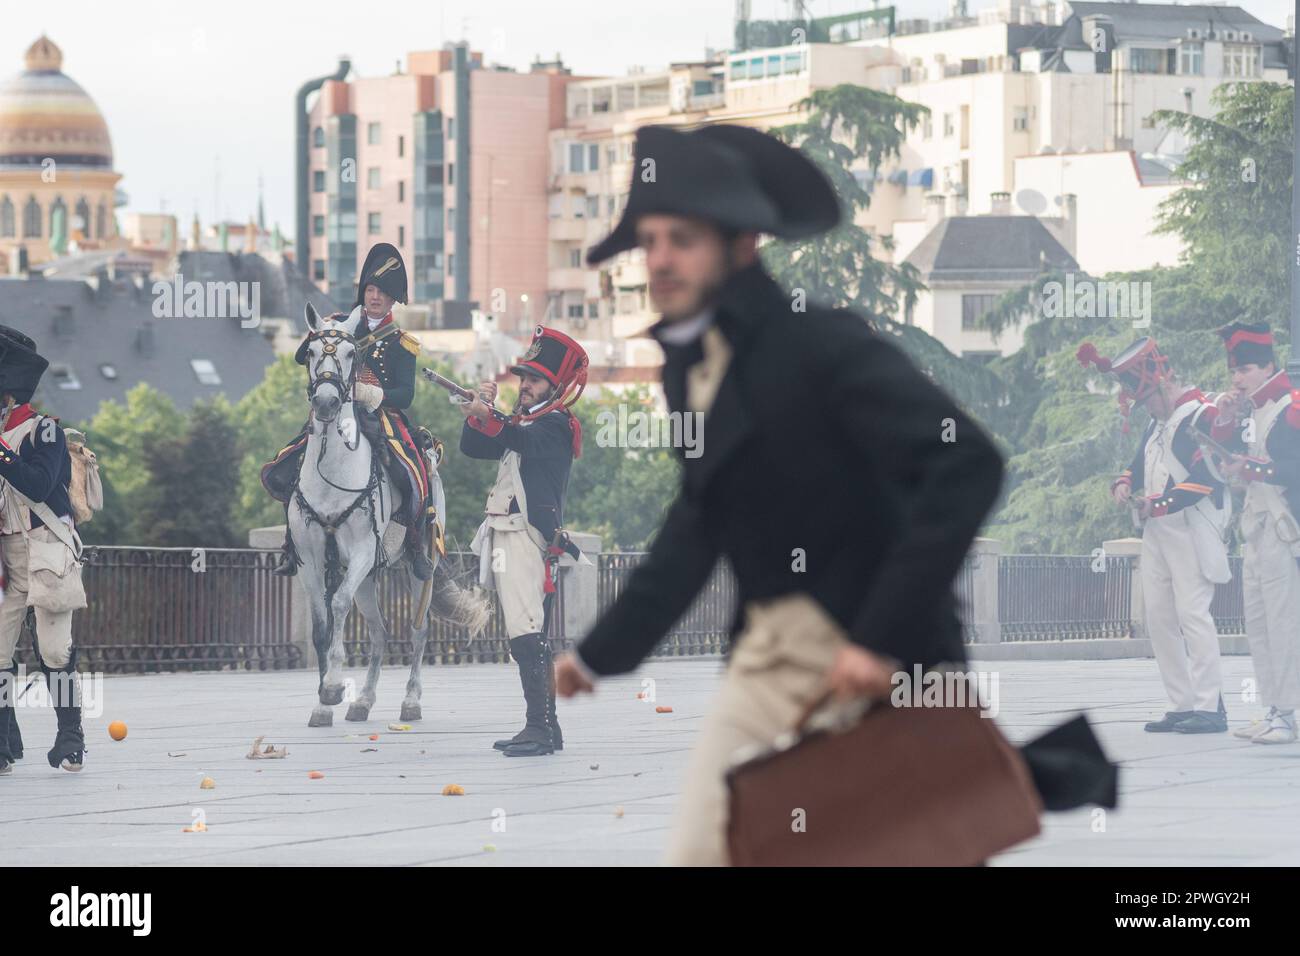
(338, 515)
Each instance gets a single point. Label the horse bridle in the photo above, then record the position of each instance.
(332, 338)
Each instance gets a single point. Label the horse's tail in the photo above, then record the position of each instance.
(466, 607)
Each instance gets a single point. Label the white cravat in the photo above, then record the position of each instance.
(374, 323)
(685, 332)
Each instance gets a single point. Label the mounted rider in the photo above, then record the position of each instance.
(384, 388)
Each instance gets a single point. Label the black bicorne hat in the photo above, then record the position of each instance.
(1248, 343)
(383, 268)
(736, 177)
(21, 366)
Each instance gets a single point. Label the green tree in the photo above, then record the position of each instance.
(193, 483)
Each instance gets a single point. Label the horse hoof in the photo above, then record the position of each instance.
(331, 694)
(321, 717)
(358, 711)
(410, 712)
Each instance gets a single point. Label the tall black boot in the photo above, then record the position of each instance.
(517, 650)
(557, 739)
(11, 740)
(417, 546)
(533, 654)
(289, 561)
(69, 750)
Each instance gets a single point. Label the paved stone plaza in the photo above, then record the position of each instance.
(606, 800)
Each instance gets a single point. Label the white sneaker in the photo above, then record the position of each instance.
(1281, 730)
(6, 767)
(1255, 727)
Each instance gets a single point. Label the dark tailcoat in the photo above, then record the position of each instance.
(824, 441)
(545, 448)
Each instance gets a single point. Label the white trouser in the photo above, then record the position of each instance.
(1177, 596)
(1271, 585)
(53, 631)
(519, 573)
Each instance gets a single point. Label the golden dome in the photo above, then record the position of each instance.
(45, 114)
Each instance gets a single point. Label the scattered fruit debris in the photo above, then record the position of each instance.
(453, 790)
(661, 709)
(374, 736)
(197, 827)
(489, 848)
(117, 730)
(399, 727)
(207, 783)
(315, 775)
(618, 811)
(258, 752)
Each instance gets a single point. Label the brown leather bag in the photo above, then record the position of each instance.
(902, 786)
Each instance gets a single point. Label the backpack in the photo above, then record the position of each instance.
(85, 490)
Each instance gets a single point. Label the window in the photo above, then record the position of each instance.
(927, 126)
(372, 177)
(973, 308)
(318, 225)
(575, 258)
(101, 218)
(401, 146)
(318, 181)
(947, 124)
(31, 219)
(82, 220)
(609, 205)
(451, 174)
(739, 70)
(57, 208)
(574, 310)
(593, 207)
(373, 134)
(7, 229)
(64, 377)
(433, 174)
(451, 127)
(1148, 60)
(318, 269)
(401, 235)
(205, 371)
(401, 190)
(1020, 119)
(373, 226)
(1191, 59)
(793, 62)
(318, 136)
(593, 309)
(579, 207)
(593, 158)
(1240, 59)
(576, 157)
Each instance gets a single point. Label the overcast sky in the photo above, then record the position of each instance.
(199, 97)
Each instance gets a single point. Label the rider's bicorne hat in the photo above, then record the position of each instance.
(1140, 369)
(563, 363)
(21, 366)
(1248, 343)
(738, 178)
(383, 268)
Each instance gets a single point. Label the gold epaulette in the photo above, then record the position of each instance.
(410, 343)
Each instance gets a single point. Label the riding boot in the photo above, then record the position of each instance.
(533, 654)
(516, 651)
(11, 741)
(69, 750)
(289, 561)
(417, 544)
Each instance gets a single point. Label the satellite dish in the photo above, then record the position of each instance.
(1031, 201)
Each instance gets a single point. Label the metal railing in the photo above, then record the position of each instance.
(1064, 597)
(167, 609)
